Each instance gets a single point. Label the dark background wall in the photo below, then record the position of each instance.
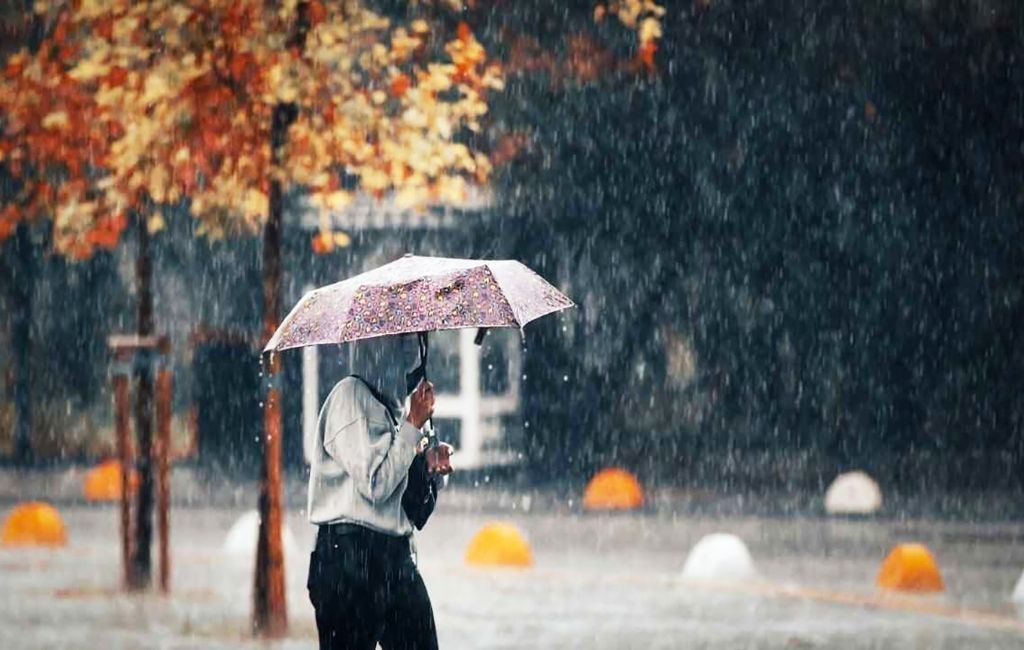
(821, 203)
(795, 246)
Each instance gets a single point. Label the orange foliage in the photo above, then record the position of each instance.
(509, 147)
(322, 243)
(8, 221)
(105, 27)
(14, 68)
(51, 127)
(400, 84)
(645, 55)
(316, 12)
(155, 104)
(588, 60)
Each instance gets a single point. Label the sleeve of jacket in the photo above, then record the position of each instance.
(373, 453)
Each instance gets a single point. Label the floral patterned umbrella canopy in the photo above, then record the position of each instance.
(417, 294)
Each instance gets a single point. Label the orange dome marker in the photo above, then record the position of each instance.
(34, 524)
(910, 567)
(499, 544)
(613, 489)
(103, 482)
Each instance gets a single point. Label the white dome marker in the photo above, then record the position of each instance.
(1018, 592)
(719, 556)
(241, 539)
(853, 493)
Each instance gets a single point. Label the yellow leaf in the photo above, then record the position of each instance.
(110, 95)
(650, 29)
(155, 224)
(180, 14)
(55, 120)
(158, 182)
(374, 180)
(124, 28)
(338, 200)
(452, 190)
(255, 203)
(414, 117)
(88, 70)
(411, 196)
(443, 128)
(156, 88)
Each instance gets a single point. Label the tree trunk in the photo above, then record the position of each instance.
(21, 342)
(122, 408)
(270, 611)
(270, 614)
(164, 396)
(141, 555)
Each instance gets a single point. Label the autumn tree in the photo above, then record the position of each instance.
(56, 142)
(222, 106)
(130, 108)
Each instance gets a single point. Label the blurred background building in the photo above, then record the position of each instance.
(795, 246)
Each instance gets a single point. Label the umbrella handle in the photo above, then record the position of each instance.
(432, 440)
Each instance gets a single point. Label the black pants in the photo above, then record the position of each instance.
(366, 590)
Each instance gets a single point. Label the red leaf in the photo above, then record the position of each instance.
(646, 54)
(14, 69)
(400, 84)
(117, 76)
(240, 64)
(322, 243)
(317, 13)
(105, 28)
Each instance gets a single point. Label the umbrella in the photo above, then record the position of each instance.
(419, 294)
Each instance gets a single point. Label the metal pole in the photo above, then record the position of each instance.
(164, 392)
(141, 552)
(122, 426)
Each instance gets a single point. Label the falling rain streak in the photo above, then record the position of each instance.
(785, 410)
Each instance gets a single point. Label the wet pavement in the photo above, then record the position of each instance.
(599, 581)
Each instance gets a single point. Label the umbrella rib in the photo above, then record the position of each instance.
(515, 314)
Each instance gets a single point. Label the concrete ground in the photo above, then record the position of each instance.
(599, 581)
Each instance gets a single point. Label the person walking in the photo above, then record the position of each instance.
(363, 581)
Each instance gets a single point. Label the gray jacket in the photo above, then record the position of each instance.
(360, 462)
